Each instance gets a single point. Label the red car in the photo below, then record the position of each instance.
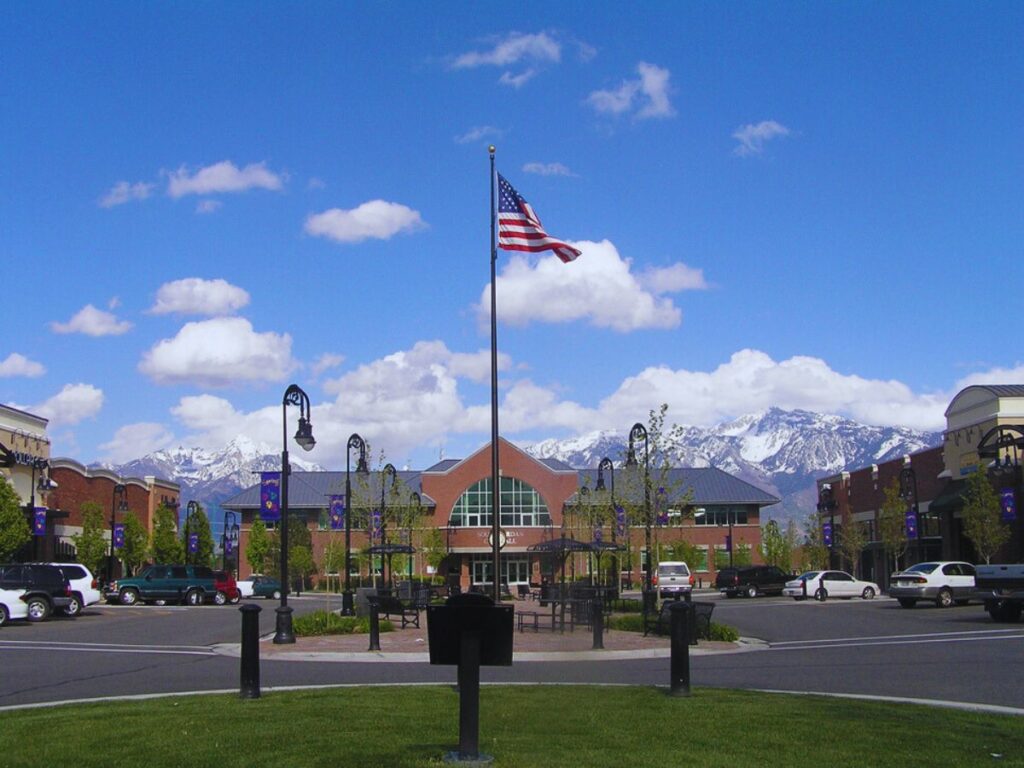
(226, 588)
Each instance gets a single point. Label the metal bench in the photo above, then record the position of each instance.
(392, 606)
(660, 623)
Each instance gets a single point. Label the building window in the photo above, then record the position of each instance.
(702, 558)
(481, 570)
(720, 515)
(521, 506)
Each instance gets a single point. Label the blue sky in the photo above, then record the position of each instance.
(803, 205)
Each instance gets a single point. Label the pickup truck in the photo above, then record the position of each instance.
(1001, 589)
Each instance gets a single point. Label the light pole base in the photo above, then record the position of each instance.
(284, 634)
(347, 606)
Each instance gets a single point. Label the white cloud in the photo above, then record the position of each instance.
(1014, 375)
(196, 296)
(134, 440)
(376, 219)
(74, 403)
(124, 192)
(221, 352)
(752, 137)
(599, 288)
(208, 206)
(514, 48)
(92, 322)
(326, 361)
(672, 279)
(548, 169)
(315, 183)
(479, 133)
(646, 96)
(517, 81)
(224, 176)
(18, 365)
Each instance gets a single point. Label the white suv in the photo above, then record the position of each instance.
(673, 578)
(84, 587)
(12, 606)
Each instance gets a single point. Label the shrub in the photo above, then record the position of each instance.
(723, 632)
(330, 623)
(627, 622)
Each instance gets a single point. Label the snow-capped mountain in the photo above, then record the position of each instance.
(782, 452)
(212, 476)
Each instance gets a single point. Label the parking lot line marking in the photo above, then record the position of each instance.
(816, 645)
(30, 645)
(899, 637)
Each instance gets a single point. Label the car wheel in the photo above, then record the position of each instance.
(75, 607)
(220, 598)
(908, 602)
(820, 595)
(751, 591)
(193, 597)
(944, 599)
(236, 600)
(276, 594)
(4, 615)
(868, 593)
(129, 596)
(38, 609)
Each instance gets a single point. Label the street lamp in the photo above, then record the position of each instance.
(191, 509)
(635, 434)
(418, 502)
(389, 469)
(908, 492)
(602, 465)
(41, 465)
(294, 395)
(827, 503)
(122, 491)
(354, 441)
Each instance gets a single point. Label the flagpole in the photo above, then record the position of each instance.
(495, 467)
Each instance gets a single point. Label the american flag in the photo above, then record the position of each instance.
(519, 229)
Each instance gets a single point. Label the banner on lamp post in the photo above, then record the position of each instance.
(193, 543)
(1008, 505)
(911, 523)
(270, 496)
(826, 534)
(620, 521)
(39, 522)
(376, 533)
(337, 512)
(598, 534)
(119, 536)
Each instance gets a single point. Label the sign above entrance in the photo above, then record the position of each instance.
(502, 538)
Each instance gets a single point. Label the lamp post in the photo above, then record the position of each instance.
(354, 441)
(191, 509)
(389, 469)
(635, 434)
(602, 465)
(294, 395)
(908, 492)
(41, 465)
(119, 490)
(827, 503)
(415, 498)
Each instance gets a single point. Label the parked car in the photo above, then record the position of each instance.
(944, 582)
(261, 586)
(46, 588)
(673, 578)
(822, 585)
(751, 580)
(226, 588)
(84, 587)
(189, 584)
(12, 606)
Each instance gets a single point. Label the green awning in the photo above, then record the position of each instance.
(950, 498)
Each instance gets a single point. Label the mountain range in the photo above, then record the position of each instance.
(782, 452)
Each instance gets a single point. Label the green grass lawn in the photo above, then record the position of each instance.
(576, 726)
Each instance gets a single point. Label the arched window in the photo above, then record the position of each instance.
(521, 505)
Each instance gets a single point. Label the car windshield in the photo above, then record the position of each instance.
(922, 568)
(673, 570)
(809, 576)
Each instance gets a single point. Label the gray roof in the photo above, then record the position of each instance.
(311, 490)
(708, 485)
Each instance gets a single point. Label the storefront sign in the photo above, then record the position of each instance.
(270, 496)
(1008, 503)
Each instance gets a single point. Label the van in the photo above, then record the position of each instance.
(673, 579)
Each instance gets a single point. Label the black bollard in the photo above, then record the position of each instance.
(597, 620)
(681, 622)
(374, 626)
(250, 677)
(469, 695)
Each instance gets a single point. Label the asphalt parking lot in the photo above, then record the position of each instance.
(839, 646)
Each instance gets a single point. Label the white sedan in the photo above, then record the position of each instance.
(822, 585)
(12, 606)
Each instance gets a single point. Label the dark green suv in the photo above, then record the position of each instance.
(188, 584)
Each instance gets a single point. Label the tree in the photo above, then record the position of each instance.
(90, 545)
(775, 548)
(14, 530)
(165, 546)
(792, 537)
(258, 548)
(851, 544)
(199, 524)
(814, 554)
(686, 552)
(434, 550)
(134, 551)
(892, 523)
(981, 516)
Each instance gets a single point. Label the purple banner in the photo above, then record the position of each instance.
(337, 511)
(39, 522)
(228, 546)
(270, 496)
(620, 520)
(376, 525)
(910, 521)
(598, 534)
(1008, 504)
(826, 534)
(193, 543)
(728, 542)
(119, 536)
